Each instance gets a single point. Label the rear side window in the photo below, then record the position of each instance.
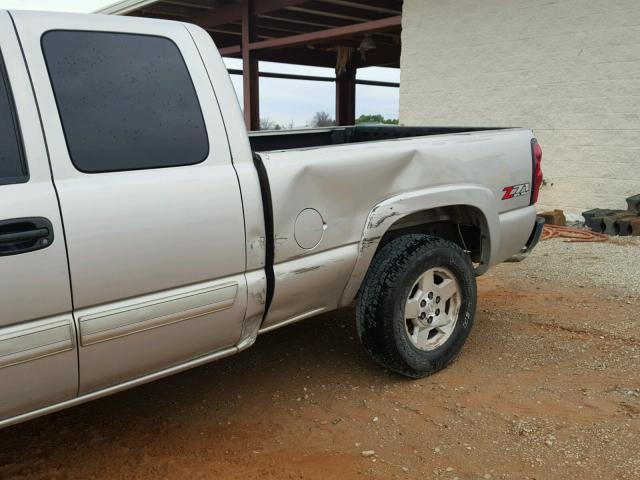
(126, 102)
(13, 168)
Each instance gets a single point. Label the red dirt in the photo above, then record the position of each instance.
(546, 387)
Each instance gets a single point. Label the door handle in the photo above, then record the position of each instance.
(22, 235)
(17, 237)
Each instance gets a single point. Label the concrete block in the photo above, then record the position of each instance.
(623, 224)
(610, 222)
(596, 224)
(596, 212)
(554, 217)
(634, 204)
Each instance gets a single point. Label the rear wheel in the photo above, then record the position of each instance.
(417, 304)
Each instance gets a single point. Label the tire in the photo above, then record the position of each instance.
(394, 284)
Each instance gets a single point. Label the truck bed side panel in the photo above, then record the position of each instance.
(344, 183)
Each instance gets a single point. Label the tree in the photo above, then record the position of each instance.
(267, 124)
(378, 118)
(322, 119)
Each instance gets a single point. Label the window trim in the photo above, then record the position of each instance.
(64, 132)
(24, 178)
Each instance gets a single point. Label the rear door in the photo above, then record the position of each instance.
(150, 200)
(38, 362)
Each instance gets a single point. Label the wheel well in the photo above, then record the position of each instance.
(464, 225)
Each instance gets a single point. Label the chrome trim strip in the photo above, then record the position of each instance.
(289, 321)
(34, 340)
(117, 388)
(142, 316)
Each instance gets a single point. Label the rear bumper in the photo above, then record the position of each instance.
(534, 238)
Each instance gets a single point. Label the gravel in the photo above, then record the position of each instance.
(611, 265)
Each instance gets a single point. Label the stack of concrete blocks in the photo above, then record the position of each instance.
(616, 222)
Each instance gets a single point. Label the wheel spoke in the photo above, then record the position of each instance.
(411, 308)
(446, 327)
(421, 336)
(427, 283)
(441, 320)
(447, 289)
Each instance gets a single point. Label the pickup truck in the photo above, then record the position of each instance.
(143, 231)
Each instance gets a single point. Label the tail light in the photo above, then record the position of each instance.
(536, 155)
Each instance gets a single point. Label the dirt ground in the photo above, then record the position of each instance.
(547, 387)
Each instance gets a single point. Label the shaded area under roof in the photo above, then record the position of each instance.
(341, 34)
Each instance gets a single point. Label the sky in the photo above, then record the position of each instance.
(282, 101)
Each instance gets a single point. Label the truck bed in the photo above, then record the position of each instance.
(320, 137)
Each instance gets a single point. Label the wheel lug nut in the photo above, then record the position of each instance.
(438, 311)
(422, 315)
(430, 295)
(430, 320)
(423, 303)
(437, 299)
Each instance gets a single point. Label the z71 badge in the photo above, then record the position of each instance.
(515, 191)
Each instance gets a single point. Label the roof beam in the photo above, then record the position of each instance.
(169, 10)
(300, 56)
(264, 31)
(289, 27)
(330, 14)
(379, 6)
(329, 34)
(315, 78)
(320, 35)
(230, 51)
(320, 22)
(233, 12)
(355, 14)
(306, 19)
(192, 4)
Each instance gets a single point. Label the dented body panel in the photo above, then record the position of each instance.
(362, 190)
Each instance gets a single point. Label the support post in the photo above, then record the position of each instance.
(346, 96)
(250, 73)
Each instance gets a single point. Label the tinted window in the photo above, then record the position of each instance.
(126, 101)
(12, 166)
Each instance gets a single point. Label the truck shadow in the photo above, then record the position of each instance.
(316, 355)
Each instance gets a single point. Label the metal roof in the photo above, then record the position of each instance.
(315, 27)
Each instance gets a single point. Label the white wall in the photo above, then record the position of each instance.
(568, 69)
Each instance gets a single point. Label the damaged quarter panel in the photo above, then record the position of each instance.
(360, 190)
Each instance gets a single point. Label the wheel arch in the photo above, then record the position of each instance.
(446, 211)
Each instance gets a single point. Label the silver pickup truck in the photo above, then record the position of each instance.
(144, 232)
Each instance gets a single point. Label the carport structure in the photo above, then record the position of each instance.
(341, 34)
